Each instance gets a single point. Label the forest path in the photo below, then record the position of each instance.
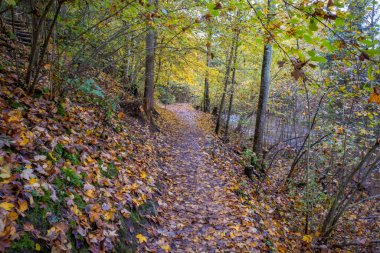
(199, 212)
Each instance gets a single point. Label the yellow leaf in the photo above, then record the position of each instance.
(108, 215)
(90, 193)
(28, 166)
(236, 227)
(22, 205)
(33, 181)
(15, 116)
(141, 238)
(134, 186)
(89, 159)
(13, 216)
(374, 98)
(51, 156)
(76, 210)
(7, 206)
(5, 171)
(143, 175)
(166, 247)
(24, 140)
(307, 238)
(38, 247)
(340, 130)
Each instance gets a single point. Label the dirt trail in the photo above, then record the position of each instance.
(200, 211)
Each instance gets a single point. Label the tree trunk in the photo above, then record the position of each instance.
(44, 48)
(263, 101)
(149, 71)
(263, 95)
(206, 98)
(37, 22)
(226, 80)
(225, 138)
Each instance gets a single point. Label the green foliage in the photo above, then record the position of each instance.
(24, 244)
(61, 152)
(90, 87)
(250, 158)
(61, 110)
(78, 200)
(72, 177)
(11, 2)
(164, 95)
(109, 170)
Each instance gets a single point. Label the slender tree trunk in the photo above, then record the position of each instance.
(44, 48)
(37, 21)
(126, 76)
(232, 88)
(149, 71)
(263, 96)
(206, 98)
(263, 101)
(226, 81)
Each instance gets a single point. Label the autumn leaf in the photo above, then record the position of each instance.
(5, 171)
(13, 216)
(15, 116)
(165, 247)
(307, 238)
(141, 238)
(340, 130)
(375, 96)
(90, 193)
(89, 159)
(23, 139)
(22, 205)
(120, 115)
(7, 206)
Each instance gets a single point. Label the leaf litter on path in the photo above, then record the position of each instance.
(200, 211)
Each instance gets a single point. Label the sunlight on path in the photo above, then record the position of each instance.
(200, 212)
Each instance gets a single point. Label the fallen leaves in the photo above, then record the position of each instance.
(307, 238)
(141, 238)
(58, 169)
(375, 96)
(5, 171)
(7, 206)
(22, 205)
(200, 212)
(165, 247)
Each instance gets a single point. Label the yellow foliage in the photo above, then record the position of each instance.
(7, 206)
(141, 238)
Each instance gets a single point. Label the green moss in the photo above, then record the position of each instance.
(78, 200)
(16, 104)
(37, 216)
(135, 216)
(24, 244)
(72, 177)
(61, 152)
(59, 183)
(111, 172)
(61, 110)
(74, 158)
